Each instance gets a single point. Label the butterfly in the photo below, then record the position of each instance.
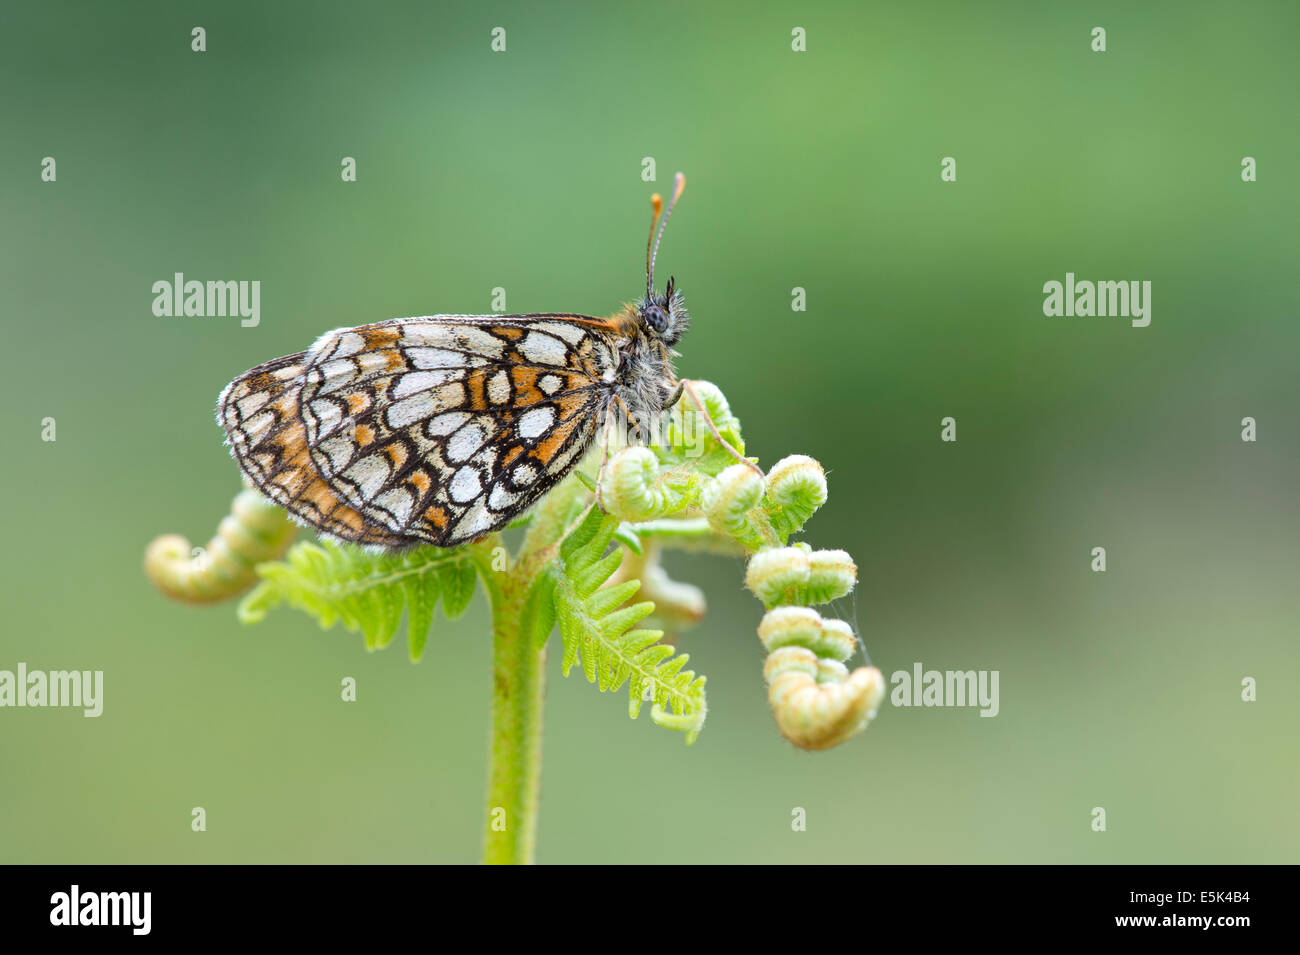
(441, 429)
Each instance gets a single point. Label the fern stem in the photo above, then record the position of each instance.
(518, 683)
(515, 761)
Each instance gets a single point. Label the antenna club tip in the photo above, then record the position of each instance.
(679, 183)
(657, 203)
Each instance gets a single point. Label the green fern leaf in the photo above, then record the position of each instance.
(421, 601)
(458, 581)
(596, 630)
(367, 592)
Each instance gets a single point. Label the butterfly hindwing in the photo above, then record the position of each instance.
(422, 430)
(259, 411)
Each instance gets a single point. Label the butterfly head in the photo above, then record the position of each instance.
(663, 316)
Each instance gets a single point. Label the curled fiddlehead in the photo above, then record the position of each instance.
(667, 497)
(254, 531)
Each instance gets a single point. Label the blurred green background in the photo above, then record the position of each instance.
(817, 169)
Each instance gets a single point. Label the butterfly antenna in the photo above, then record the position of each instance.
(679, 183)
(657, 207)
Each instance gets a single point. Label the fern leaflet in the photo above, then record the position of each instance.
(367, 592)
(596, 629)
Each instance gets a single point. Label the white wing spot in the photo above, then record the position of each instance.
(441, 358)
(550, 384)
(543, 349)
(465, 338)
(369, 475)
(472, 524)
(372, 361)
(339, 452)
(465, 442)
(570, 333)
(337, 374)
(398, 502)
(499, 388)
(349, 344)
(535, 422)
(256, 427)
(327, 415)
(445, 424)
(500, 499)
(252, 403)
(465, 485)
(415, 381)
(426, 404)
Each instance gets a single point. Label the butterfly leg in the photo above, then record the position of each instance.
(632, 419)
(604, 453)
(676, 393)
(686, 385)
(675, 396)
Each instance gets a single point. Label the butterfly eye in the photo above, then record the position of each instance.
(655, 317)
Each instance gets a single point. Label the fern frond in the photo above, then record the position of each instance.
(596, 630)
(690, 445)
(368, 592)
(255, 530)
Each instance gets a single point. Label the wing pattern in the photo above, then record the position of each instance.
(430, 430)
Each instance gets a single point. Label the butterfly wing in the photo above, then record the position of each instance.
(432, 430)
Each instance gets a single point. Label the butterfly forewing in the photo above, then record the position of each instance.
(422, 430)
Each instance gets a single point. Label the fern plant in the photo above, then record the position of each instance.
(588, 567)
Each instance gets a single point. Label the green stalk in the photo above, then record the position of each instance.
(515, 762)
(518, 685)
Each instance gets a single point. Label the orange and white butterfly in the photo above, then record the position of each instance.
(441, 429)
